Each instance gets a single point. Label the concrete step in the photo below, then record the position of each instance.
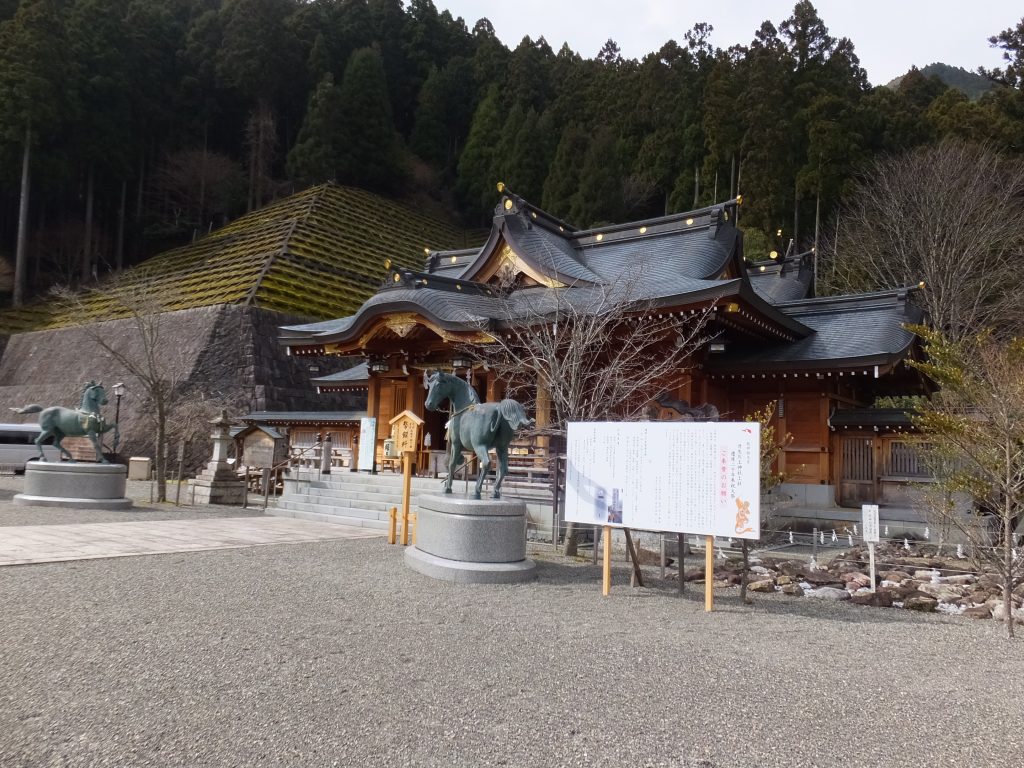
(320, 516)
(305, 505)
(358, 498)
(341, 503)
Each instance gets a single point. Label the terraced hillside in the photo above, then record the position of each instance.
(317, 254)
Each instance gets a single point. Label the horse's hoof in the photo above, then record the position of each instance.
(476, 497)
(447, 490)
(496, 496)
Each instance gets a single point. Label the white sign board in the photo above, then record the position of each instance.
(870, 520)
(367, 443)
(701, 478)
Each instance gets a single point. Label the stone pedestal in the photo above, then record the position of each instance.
(465, 540)
(218, 483)
(85, 485)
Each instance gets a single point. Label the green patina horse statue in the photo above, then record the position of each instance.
(474, 426)
(58, 422)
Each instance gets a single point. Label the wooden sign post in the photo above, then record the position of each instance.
(869, 514)
(405, 428)
(606, 582)
(709, 573)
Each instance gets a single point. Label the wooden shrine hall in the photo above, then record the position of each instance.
(770, 339)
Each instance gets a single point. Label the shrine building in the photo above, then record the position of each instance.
(770, 338)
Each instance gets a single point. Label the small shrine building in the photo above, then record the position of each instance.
(771, 340)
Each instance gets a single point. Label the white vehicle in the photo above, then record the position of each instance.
(17, 447)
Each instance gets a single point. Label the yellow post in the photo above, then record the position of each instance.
(606, 583)
(709, 573)
(393, 515)
(406, 493)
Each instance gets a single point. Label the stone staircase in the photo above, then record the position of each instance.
(364, 500)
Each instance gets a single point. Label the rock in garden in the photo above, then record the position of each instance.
(783, 580)
(764, 585)
(857, 579)
(794, 569)
(793, 589)
(821, 577)
(924, 603)
(694, 574)
(830, 593)
(879, 599)
(999, 614)
(978, 612)
(896, 576)
(960, 578)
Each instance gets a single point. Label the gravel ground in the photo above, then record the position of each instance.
(335, 654)
(138, 491)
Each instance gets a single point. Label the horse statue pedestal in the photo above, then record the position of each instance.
(85, 485)
(471, 541)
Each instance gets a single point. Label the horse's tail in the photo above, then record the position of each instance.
(514, 413)
(34, 408)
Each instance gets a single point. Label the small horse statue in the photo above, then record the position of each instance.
(58, 422)
(474, 426)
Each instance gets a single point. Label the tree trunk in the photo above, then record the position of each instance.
(696, 186)
(139, 194)
(796, 216)
(161, 453)
(86, 271)
(202, 179)
(119, 253)
(1008, 544)
(572, 539)
(20, 257)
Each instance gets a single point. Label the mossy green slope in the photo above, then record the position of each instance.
(319, 254)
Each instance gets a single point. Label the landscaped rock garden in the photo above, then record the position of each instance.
(917, 580)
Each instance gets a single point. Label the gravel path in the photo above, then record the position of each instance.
(137, 491)
(335, 654)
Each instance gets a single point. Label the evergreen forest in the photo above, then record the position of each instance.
(129, 126)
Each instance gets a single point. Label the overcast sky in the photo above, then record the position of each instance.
(888, 35)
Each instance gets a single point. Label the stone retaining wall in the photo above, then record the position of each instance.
(224, 354)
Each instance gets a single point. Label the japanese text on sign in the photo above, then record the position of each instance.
(666, 476)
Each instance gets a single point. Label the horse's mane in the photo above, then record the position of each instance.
(473, 396)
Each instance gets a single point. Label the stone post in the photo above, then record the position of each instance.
(218, 483)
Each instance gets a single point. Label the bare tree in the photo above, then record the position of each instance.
(771, 449)
(975, 428)
(950, 216)
(589, 352)
(201, 184)
(157, 363)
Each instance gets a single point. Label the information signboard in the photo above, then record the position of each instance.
(700, 478)
(869, 512)
(367, 443)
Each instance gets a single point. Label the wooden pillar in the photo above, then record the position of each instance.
(495, 388)
(543, 419)
(780, 427)
(373, 408)
(824, 470)
(410, 393)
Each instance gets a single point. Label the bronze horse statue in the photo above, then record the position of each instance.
(58, 422)
(474, 426)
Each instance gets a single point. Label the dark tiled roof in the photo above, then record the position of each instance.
(848, 330)
(550, 251)
(357, 373)
(302, 417)
(788, 280)
(886, 418)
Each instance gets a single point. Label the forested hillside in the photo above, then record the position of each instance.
(133, 125)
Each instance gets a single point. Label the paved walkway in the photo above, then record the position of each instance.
(24, 544)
